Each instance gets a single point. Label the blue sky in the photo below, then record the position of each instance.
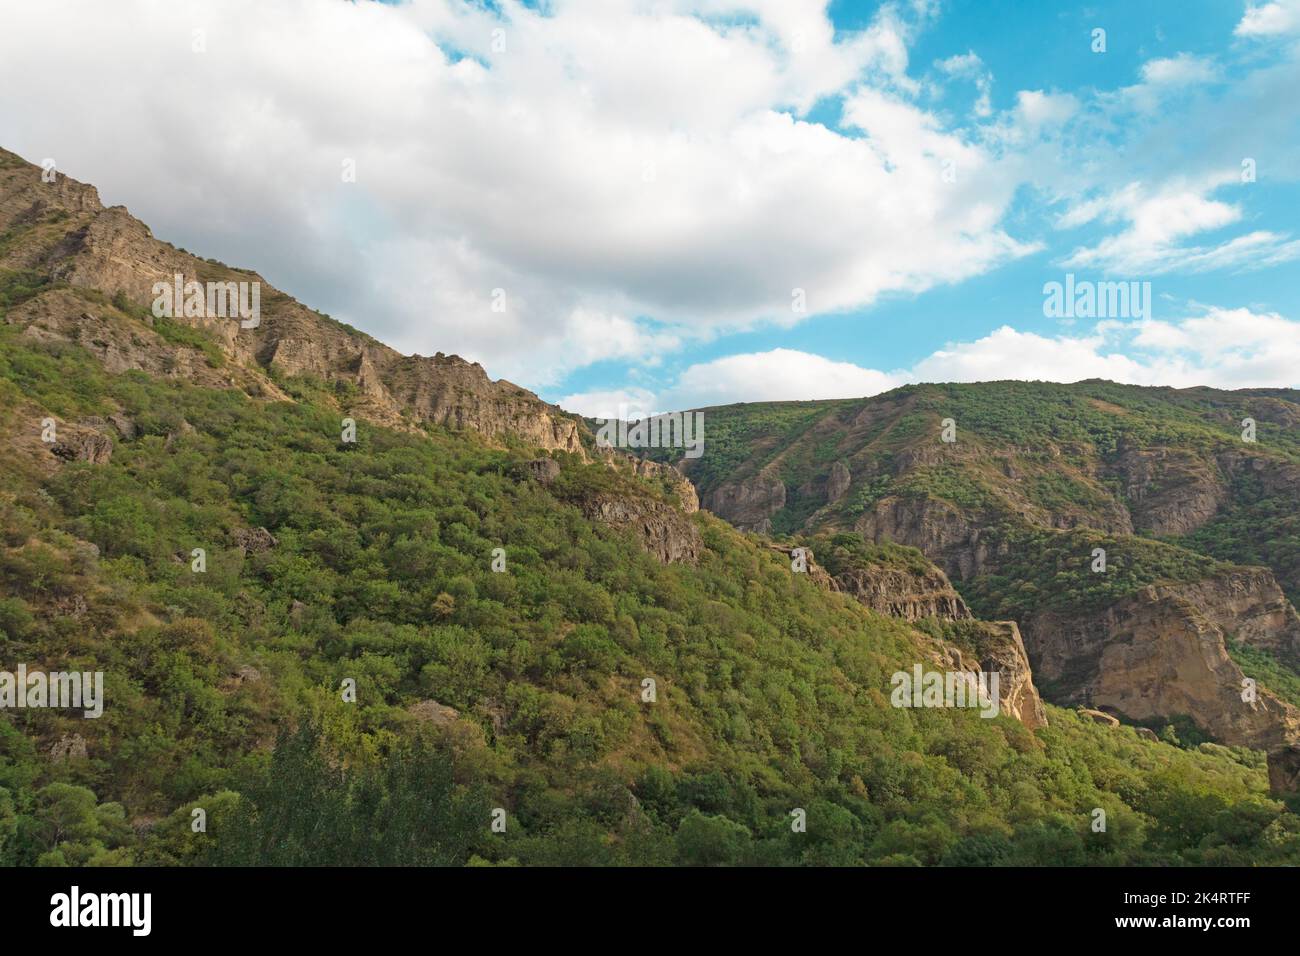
(1035, 46)
(638, 205)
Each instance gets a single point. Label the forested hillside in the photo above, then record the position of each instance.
(1145, 540)
(463, 638)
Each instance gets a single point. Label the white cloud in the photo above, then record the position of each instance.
(1159, 221)
(1034, 108)
(777, 375)
(624, 403)
(1270, 19)
(1181, 70)
(575, 158)
(969, 66)
(1165, 78)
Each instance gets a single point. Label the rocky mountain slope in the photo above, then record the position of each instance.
(1197, 528)
(97, 267)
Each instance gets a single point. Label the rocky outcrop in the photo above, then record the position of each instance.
(447, 390)
(432, 712)
(1155, 655)
(939, 529)
(803, 561)
(990, 647)
(660, 528)
(68, 747)
(1168, 491)
(101, 254)
(254, 540)
(904, 592)
(1284, 770)
(1000, 648)
(1099, 717)
(676, 482)
(837, 482)
(124, 426)
(80, 443)
(1247, 605)
(672, 480)
(544, 470)
(984, 646)
(748, 504)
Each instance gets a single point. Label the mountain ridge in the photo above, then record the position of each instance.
(624, 676)
(61, 229)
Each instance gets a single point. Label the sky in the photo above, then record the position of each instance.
(633, 207)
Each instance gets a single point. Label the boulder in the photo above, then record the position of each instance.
(430, 711)
(1098, 717)
(254, 540)
(545, 470)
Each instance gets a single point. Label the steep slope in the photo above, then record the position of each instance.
(96, 267)
(1034, 480)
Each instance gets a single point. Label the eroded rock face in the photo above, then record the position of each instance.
(124, 426)
(660, 528)
(68, 747)
(447, 390)
(1248, 605)
(901, 592)
(1169, 491)
(748, 504)
(1284, 770)
(1100, 717)
(676, 482)
(837, 483)
(1001, 649)
(800, 556)
(939, 529)
(433, 712)
(79, 443)
(1156, 654)
(997, 648)
(545, 470)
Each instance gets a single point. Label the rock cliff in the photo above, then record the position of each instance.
(1157, 654)
(749, 503)
(101, 265)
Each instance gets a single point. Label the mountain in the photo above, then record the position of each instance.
(61, 236)
(355, 607)
(1016, 489)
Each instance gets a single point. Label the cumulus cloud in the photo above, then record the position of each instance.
(1181, 70)
(1270, 19)
(630, 174)
(969, 66)
(544, 190)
